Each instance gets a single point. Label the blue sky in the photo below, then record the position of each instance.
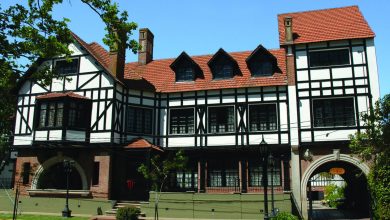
(203, 26)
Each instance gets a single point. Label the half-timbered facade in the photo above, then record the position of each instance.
(109, 116)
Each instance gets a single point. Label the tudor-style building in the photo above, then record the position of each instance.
(303, 99)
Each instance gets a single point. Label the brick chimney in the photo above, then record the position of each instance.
(145, 55)
(288, 30)
(118, 56)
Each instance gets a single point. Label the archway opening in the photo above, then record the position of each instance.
(54, 177)
(341, 194)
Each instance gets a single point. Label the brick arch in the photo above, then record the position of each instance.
(54, 160)
(321, 161)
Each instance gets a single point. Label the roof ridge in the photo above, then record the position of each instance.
(205, 55)
(317, 10)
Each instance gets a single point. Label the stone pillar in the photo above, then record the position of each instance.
(243, 175)
(201, 176)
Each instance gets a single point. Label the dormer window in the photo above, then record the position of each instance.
(222, 65)
(261, 62)
(185, 68)
(223, 70)
(66, 67)
(185, 73)
(261, 68)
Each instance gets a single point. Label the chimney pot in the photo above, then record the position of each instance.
(288, 30)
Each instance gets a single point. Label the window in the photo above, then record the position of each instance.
(223, 65)
(223, 71)
(261, 62)
(186, 180)
(333, 112)
(182, 121)
(139, 120)
(223, 174)
(262, 68)
(256, 174)
(75, 117)
(221, 119)
(329, 57)
(96, 171)
(262, 117)
(185, 73)
(26, 172)
(52, 114)
(185, 68)
(63, 67)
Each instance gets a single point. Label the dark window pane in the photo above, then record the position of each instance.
(221, 119)
(96, 171)
(222, 67)
(223, 71)
(329, 57)
(26, 172)
(52, 115)
(52, 111)
(185, 74)
(261, 68)
(182, 121)
(333, 112)
(72, 117)
(223, 174)
(186, 180)
(262, 117)
(215, 177)
(139, 120)
(60, 114)
(256, 174)
(64, 67)
(42, 116)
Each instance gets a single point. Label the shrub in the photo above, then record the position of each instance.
(128, 213)
(334, 195)
(285, 216)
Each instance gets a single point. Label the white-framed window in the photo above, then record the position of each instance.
(330, 57)
(66, 67)
(263, 117)
(181, 121)
(333, 112)
(221, 119)
(139, 120)
(274, 174)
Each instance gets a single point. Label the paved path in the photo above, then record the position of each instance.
(321, 212)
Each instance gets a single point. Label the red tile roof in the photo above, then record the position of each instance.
(61, 94)
(158, 76)
(162, 77)
(326, 25)
(97, 52)
(140, 143)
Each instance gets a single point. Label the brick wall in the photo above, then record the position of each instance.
(20, 161)
(102, 189)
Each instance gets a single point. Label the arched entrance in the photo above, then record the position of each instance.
(50, 175)
(356, 195)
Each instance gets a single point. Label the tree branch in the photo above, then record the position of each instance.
(97, 12)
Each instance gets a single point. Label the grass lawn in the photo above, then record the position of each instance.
(38, 217)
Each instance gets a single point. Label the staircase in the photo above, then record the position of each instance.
(120, 204)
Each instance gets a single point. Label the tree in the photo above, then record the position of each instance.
(373, 146)
(158, 170)
(29, 33)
